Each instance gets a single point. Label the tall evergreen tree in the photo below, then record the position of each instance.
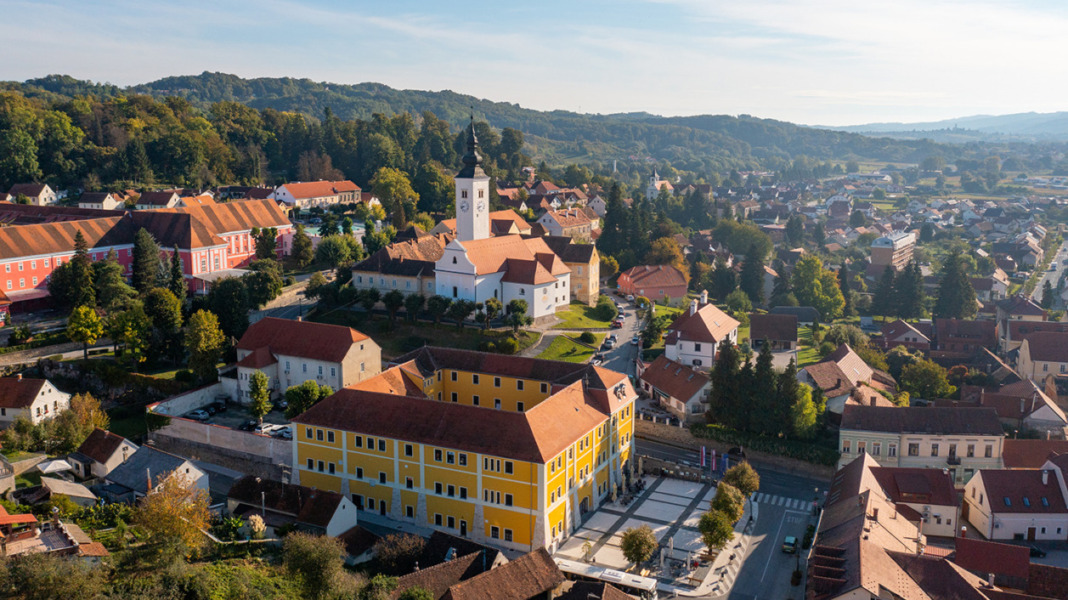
(724, 378)
(82, 291)
(956, 296)
(1047, 295)
(884, 300)
(781, 294)
(615, 223)
(818, 234)
(146, 261)
(795, 230)
(843, 284)
(751, 279)
(723, 280)
(909, 295)
(762, 413)
(176, 281)
(787, 389)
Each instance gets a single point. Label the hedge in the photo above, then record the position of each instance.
(45, 340)
(806, 451)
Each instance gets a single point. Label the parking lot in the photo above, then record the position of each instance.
(236, 416)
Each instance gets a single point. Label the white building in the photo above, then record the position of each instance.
(307, 194)
(1019, 504)
(693, 337)
(100, 200)
(39, 194)
(476, 266)
(35, 399)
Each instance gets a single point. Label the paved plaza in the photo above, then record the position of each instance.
(671, 508)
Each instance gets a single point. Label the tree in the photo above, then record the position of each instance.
(898, 358)
(666, 251)
(729, 501)
(346, 226)
(460, 311)
(259, 392)
(82, 292)
(413, 304)
(723, 407)
(843, 285)
(956, 296)
(316, 560)
(842, 333)
(333, 252)
(131, 329)
(438, 306)
(112, 291)
(266, 243)
(751, 279)
(1047, 295)
(204, 341)
(795, 230)
(263, 282)
(723, 280)
(857, 219)
(884, 301)
(516, 315)
(817, 287)
(175, 513)
(315, 285)
(392, 188)
(393, 301)
(228, 299)
(302, 250)
(85, 327)
(638, 544)
(909, 295)
(716, 529)
(176, 284)
(397, 553)
(818, 234)
(146, 261)
(738, 302)
(89, 414)
(416, 593)
(368, 298)
(609, 267)
(378, 588)
(926, 379)
(300, 398)
(781, 294)
(743, 477)
(804, 415)
(46, 576)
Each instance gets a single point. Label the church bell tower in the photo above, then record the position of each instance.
(472, 193)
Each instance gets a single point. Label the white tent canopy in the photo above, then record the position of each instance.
(54, 466)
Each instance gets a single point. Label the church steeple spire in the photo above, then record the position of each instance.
(472, 159)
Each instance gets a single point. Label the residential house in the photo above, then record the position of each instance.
(930, 493)
(960, 340)
(1018, 308)
(841, 374)
(913, 336)
(501, 222)
(1022, 406)
(34, 399)
(780, 331)
(129, 481)
(1042, 353)
(576, 223)
(21, 534)
(693, 337)
(585, 264)
(292, 352)
(51, 486)
(39, 194)
(658, 283)
(1019, 504)
(532, 576)
(100, 453)
(962, 440)
(1013, 335)
(156, 200)
(506, 450)
(682, 391)
(1030, 454)
(598, 204)
(304, 195)
(405, 265)
(320, 512)
(101, 201)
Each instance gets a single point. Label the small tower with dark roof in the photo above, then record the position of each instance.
(472, 193)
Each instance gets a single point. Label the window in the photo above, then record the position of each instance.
(359, 442)
(545, 388)
(497, 403)
(409, 511)
(507, 499)
(952, 449)
(320, 369)
(381, 445)
(914, 449)
(1027, 501)
(22, 282)
(408, 450)
(437, 488)
(861, 447)
(322, 466)
(359, 472)
(311, 464)
(437, 520)
(508, 467)
(497, 382)
(34, 281)
(934, 449)
(463, 493)
(463, 459)
(330, 436)
(437, 455)
(333, 371)
(1008, 501)
(381, 477)
(519, 406)
(452, 376)
(989, 451)
(474, 379)
(409, 483)
(304, 367)
(308, 432)
(495, 532)
(971, 450)
(1045, 502)
(331, 468)
(891, 450)
(450, 458)
(519, 384)
(876, 448)
(455, 397)
(474, 400)
(319, 435)
(507, 535)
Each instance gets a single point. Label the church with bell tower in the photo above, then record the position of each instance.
(477, 266)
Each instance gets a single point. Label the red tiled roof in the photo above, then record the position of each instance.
(654, 276)
(305, 339)
(532, 575)
(10, 519)
(306, 505)
(708, 324)
(1048, 346)
(320, 189)
(1018, 330)
(1023, 489)
(1030, 454)
(917, 486)
(101, 445)
(674, 379)
(31, 190)
(156, 198)
(18, 393)
(777, 328)
(258, 358)
(497, 215)
(981, 556)
(930, 420)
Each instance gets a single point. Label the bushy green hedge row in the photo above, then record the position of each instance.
(45, 340)
(809, 452)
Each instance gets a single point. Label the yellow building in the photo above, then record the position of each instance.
(509, 451)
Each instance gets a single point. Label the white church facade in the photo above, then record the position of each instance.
(477, 266)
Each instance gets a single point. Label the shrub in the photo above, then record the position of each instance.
(508, 345)
(826, 348)
(185, 376)
(806, 451)
(587, 338)
(605, 309)
(398, 552)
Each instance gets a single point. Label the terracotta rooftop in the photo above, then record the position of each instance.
(1030, 454)
(1047, 346)
(982, 556)
(303, 504)
(19, 392)
(304, 339)
(917, 486)
(319, 189)
(923, 420)
(1022, 491)
(655, 276)
(498, 215)
(779, 328)
(708, 324)
(677, 380)
(532, 575)
(101, 445)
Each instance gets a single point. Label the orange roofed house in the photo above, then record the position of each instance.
(307, 194)
(292, 352)
(659, 283)
(694, 335)
(504, 450)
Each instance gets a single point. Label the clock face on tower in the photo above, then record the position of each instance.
(464, 206)
(481, 206)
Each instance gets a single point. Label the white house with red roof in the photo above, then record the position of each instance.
(681, 390)
(39, 194)
(694, 335)
(477, 265)
(1019, 504)
(306, 194)
(35, 399)
(292, 352)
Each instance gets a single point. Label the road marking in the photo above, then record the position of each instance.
(776, 539)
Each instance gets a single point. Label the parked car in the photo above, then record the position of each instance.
(789, 545)
(617, 324)
(198, 415)
(216, 407)
(630, 297)
(636, 340)
(609, 344)
(612, 336)
(1036, 552)
(284, 432)
(267, 428)
(249, 425)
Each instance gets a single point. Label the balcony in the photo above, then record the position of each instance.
(953, 460)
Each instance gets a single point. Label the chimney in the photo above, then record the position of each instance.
(1045, 477)
(19, 376)
(990, 580)
(704, 296)
(299, 318)
(693, 306)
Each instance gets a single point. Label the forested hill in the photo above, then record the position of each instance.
(700, 144)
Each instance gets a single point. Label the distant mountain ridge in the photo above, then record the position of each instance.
(1028, 125)
(701, 143)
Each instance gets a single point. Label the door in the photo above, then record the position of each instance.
(463, 528)
(382, 507)
(1030, 534)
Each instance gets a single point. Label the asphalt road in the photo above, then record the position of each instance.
(622, 357)
(1052, 276)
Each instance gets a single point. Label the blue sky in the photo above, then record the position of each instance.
(809, 61)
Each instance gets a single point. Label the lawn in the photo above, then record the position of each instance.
(671, 311)
(402, 336)
(28, 479)
(563, 348)
(130, 426)
(807, 354)
(580, 316)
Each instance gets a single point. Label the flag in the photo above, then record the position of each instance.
(702, 456)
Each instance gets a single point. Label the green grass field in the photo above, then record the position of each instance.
(563, 348)
(580, 316)
(807, 354)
